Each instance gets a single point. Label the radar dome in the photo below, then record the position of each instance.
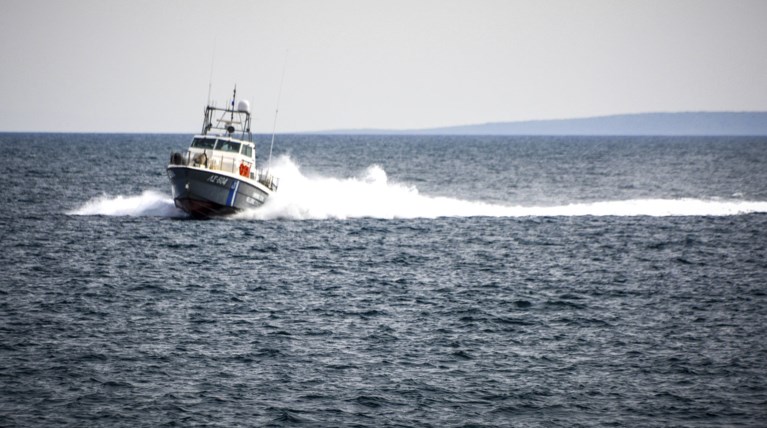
(243, 105)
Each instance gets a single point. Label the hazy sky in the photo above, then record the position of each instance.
(144, 66)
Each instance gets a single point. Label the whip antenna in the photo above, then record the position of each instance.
(276, 111)
(210, 78)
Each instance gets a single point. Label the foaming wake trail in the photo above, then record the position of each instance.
(148, 204)
(650, 207)
(372, 195)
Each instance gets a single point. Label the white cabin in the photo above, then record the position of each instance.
(222, 153)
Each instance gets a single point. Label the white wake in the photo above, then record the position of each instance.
(147, 204)
(372, 195)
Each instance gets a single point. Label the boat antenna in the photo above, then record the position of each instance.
(276, 111)
(210, 77)
(234, 95)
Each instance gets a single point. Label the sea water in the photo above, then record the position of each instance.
(391, 281)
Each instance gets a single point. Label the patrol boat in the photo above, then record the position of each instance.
(218, 175)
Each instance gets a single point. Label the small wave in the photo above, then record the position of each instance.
(147, 204)
(372, 195)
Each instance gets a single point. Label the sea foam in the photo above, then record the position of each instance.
(372, 195)
(148, 204)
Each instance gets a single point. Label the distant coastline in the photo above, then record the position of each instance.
(647, 124)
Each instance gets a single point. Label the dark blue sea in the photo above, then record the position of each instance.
(391, 281)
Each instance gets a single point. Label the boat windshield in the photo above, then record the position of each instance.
(228, 146)
(203, 143)
(247, 150)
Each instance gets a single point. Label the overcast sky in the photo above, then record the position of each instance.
(144, 66)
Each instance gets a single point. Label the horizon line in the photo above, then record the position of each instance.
(403, 131)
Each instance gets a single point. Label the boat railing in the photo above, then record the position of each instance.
(208, 161)
(224, 163)
(267, 179)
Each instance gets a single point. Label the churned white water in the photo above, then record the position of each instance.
(371, 194)
(149, 203)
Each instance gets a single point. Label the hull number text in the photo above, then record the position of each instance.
(217, 179)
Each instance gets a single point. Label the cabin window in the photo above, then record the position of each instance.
(228, 146)
(247, 151)
(203, 143)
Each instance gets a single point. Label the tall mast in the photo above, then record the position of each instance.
(234, 95)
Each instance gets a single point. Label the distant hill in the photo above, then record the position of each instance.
(692, 123)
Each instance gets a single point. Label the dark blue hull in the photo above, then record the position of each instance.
(204, 193)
